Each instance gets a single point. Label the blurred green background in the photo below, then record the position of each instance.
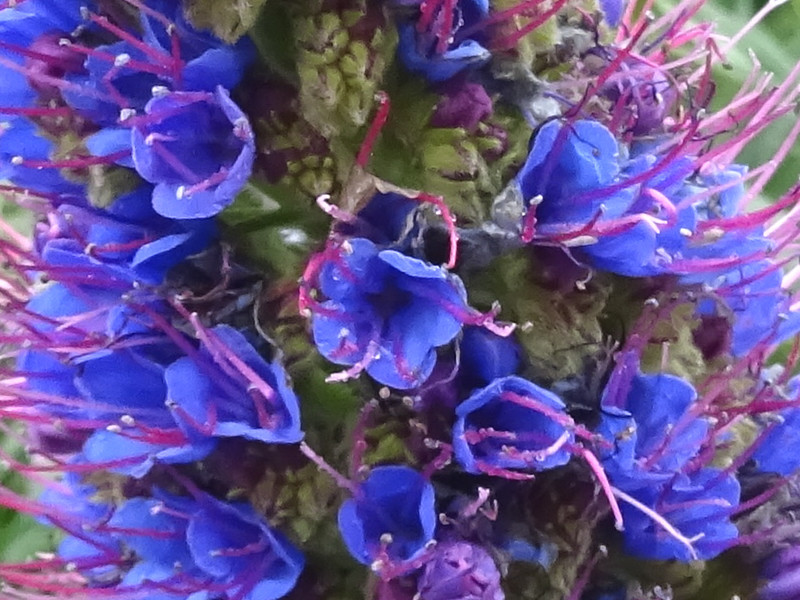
(775, 41)
(777, 44)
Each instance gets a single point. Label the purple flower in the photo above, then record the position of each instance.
(463, 104)
(512, 427)
(391, 518)
(434, 43)
(781, 575)
(197, 148)
(385, 312)
(460, 571)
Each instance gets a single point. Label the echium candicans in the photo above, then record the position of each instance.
(538, 337)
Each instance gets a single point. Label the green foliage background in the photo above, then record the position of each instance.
(775, 42)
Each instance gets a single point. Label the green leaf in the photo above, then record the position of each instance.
(229, 20)
(253, 202)
(21, 537)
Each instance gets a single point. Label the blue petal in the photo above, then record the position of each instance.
(110, 141)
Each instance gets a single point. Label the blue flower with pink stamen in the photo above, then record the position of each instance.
(197, 148)
(391, 518)
(433, 43)
(385, 312)
(510, 428)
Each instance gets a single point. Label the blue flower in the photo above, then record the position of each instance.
(233, 544)
(386, 219)
(174, 409)
(386, 312)
(782, 433)
(512, 427)
(486, 356)
(432, 45)
(392, 516)
(36, 25)
(754, 301)
(201, 542)
(653, 437)
(772, 455)
(654, 434)
(629, 211)
(699, 506)
(570, 182)
(20, 143)
(265, 410)
(197, 148)
(121, 75)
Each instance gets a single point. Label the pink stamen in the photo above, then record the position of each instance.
(375, 128)
(158, 56)
(512, 40)
(452, 232)
(325, 467)
(427, 13)
(526, 7)
(605, 484)
(446, 28)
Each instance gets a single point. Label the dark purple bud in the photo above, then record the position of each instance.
(463, 105)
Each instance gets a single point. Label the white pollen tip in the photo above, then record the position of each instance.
(159, 91)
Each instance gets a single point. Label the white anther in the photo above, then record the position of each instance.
(120, 60)
(17, 160)
(536, 200)
(126, 113)
(159, 91)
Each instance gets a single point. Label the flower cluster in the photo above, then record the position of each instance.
(536, 336)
